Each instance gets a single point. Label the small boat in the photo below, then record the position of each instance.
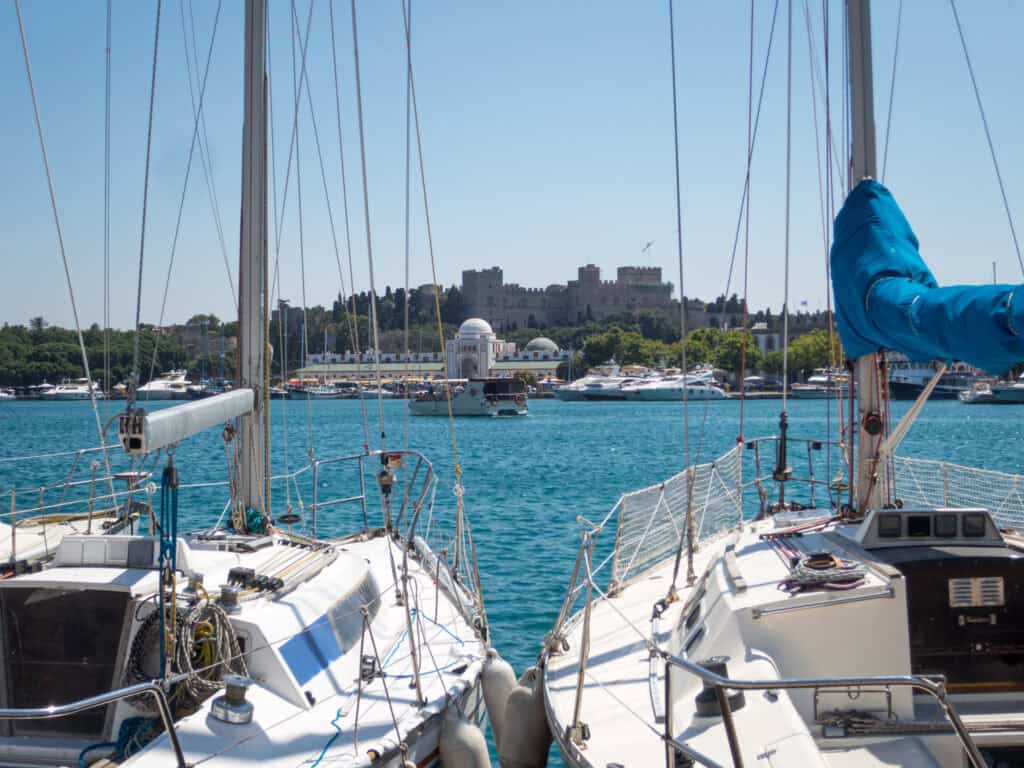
(821, 385)
(208, 388)
(74, 389)
(172, 385)
(383, 393)
(7, 394)
(472, 397)
(315, 392)
(987, 393)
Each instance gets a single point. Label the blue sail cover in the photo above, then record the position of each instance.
(887, 297)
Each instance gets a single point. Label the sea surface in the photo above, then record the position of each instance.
(526, 480)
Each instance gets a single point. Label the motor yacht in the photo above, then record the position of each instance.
(172, 385)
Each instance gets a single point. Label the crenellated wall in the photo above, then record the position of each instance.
(509, 305)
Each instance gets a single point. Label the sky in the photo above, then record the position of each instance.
(547, 144)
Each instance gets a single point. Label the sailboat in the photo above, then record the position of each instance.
(720, 618)
(254, 640)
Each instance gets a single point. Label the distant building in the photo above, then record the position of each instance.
(477, 351)
(506, 306)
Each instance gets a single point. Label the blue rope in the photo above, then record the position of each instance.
(404, 634)
(90, 748)
(398, 644)
(330, 741)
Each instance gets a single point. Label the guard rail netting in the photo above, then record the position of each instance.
(928, 483)
(653, 521)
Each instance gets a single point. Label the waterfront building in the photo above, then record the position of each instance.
(475, 351)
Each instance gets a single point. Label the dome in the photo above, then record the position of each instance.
(475, 328)
(542, 344)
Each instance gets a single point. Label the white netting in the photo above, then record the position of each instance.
(652, 521)
(921, 482)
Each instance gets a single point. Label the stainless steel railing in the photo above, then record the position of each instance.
(933, 686)
(64, 710)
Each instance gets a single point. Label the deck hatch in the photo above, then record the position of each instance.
(977, 592)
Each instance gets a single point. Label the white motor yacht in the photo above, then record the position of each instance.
(989, 393)
(672, 388)
(172, 385)
(74, 389)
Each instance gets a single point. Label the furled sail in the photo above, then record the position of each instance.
(886, 297)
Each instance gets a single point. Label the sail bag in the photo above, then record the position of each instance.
(886, 297)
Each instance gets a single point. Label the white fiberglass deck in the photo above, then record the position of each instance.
(767, 633)
(321, 729)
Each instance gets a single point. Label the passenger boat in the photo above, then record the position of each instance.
(908, 379)
(472, 397)
(770, 608)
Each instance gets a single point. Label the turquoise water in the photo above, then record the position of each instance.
(526, 479)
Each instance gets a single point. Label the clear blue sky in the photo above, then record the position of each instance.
(547, 135)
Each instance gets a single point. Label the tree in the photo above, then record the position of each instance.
(453, 308)
(573, 369)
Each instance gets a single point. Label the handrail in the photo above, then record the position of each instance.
(64, 710)
(933, 686)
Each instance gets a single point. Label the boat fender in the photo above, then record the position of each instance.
(527, 738)
(498, 679)
(462, 743)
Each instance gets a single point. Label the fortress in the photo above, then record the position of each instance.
(507, 306)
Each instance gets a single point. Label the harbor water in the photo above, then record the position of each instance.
(527, 480)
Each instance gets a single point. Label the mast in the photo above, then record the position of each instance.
(863, 165)
(252, 270)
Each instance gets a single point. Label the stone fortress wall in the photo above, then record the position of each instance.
(509, 305)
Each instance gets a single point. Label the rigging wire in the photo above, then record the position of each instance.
(366, 215)
(433, 260)
(206, 157)
(679, 235)
(789, 148)
(740, 214)
(60, 235)
(830, 205)
(134, 381)
(353, 318)
(892, 89)
(188, 175)
(746, 230)
(297, 79)
(276, 283)
(327, 197)
(106, 207)
(408, 157)
(988, 135)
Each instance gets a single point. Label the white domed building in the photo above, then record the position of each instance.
(477, 352)
(474, 350)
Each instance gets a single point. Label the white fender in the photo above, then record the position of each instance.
(498, 679)
(527, 737)
(462, 743)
